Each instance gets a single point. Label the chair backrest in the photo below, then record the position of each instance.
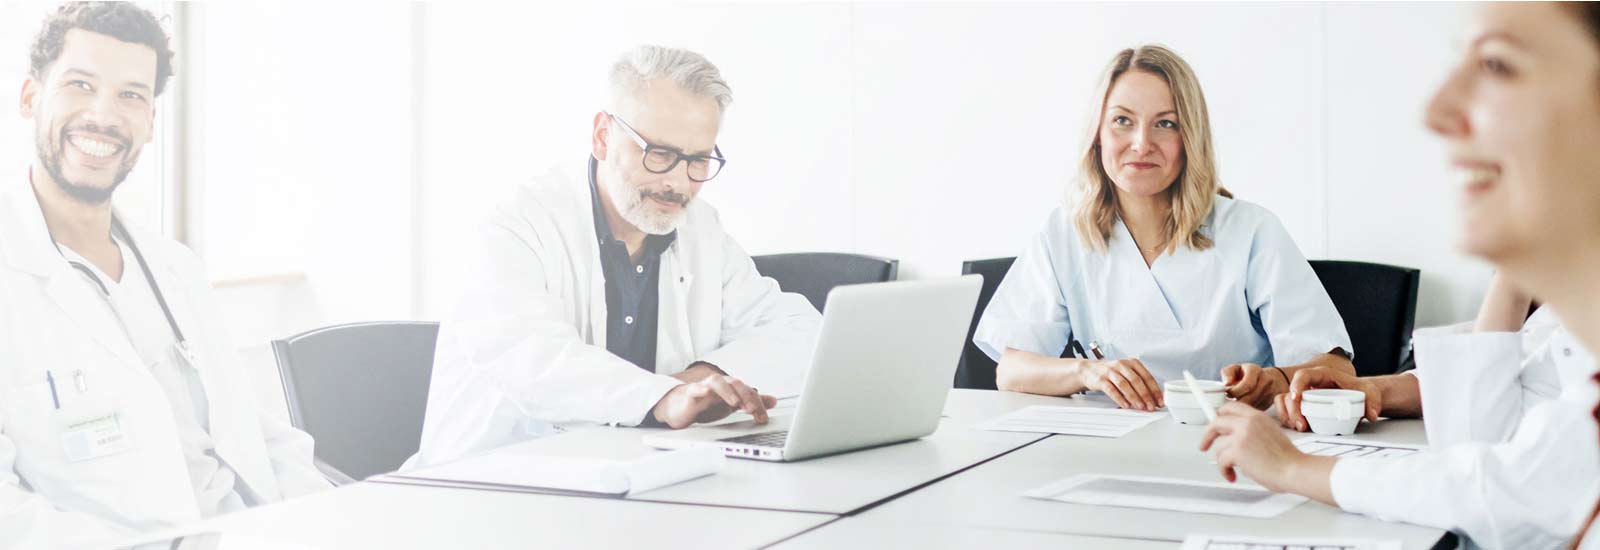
(1379, 305)
(813, 274)
(360, 390)
(976, 371)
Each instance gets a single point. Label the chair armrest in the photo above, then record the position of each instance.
(338, 478)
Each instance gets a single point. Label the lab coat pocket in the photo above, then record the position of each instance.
(25, 406)
(27, 414)
(56, 423)
(26, 400)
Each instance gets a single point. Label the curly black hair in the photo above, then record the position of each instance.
(120, 20)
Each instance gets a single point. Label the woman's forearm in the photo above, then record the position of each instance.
(1028, 372)
(1504, 308)
(1334, 361)
(1402, 397)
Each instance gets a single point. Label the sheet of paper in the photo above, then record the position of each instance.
(1230, 542)
(1350, 447)
(511, 470)
(1156, 493)
(1088, 421)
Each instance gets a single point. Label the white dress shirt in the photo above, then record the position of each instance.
(1513, 459)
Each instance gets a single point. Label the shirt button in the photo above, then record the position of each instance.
(638, 269)
(628, 319)
(1566, 352)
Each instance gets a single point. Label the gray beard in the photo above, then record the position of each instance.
(630, 205)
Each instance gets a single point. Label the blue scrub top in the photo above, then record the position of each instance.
(1250, 298)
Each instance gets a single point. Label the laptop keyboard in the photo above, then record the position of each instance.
(764, 439)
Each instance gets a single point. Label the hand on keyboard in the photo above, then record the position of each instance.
(710, 399)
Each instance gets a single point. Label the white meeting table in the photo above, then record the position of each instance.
(990, 496)
(406, 517)
(960, 487)
(837, 484)
(862, 532)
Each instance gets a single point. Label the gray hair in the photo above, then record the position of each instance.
(633, 72)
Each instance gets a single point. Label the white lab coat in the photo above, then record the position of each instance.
(1513, 460)
(525, 351)
(52, 318)
(1250, 298)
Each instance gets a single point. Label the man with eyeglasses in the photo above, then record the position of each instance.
(609, 294)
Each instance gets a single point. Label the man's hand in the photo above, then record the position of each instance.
(711, 399)
(1288, 404)
(1253, 385)
(698, 371)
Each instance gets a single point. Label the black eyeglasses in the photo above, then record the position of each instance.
(660, 160)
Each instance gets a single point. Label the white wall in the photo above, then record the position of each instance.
(936, 133)
(303, 184)
(1391, 199)
(306, 137)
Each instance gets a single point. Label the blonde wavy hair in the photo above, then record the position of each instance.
(1193, 193)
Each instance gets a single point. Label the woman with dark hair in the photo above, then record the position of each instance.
(1521, 118)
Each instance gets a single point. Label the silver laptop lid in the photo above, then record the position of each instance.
(883, 365)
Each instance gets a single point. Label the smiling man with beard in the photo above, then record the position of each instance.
(122, 406)
(610, 294)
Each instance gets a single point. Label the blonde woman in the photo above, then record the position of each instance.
(1156, 269)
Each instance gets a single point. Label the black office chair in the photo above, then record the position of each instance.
(360, 390)
(813, 274)
(976, 370)
(1379, 305)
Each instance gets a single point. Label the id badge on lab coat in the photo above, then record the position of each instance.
(90, 428)
(92, 436)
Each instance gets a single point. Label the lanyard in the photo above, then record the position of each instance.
(121, 233)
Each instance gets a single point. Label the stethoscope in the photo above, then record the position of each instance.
(121, 233)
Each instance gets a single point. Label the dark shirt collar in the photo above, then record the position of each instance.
(653, 244)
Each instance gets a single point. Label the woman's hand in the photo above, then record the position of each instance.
(1125, 381)
(1249, 442)
(1288, 404)
(1253, 385)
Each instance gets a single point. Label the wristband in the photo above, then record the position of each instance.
(1286, 381)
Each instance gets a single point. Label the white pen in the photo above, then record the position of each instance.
(1205, 406)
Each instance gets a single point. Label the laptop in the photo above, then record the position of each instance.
(883, 364)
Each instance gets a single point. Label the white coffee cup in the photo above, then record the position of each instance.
(1184, 407)
(1333, 412)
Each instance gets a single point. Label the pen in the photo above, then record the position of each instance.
(55, 399)
(1095, 347)
(1205, 406)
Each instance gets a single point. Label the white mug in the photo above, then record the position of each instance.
(1333, 412)
(1182, 404)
